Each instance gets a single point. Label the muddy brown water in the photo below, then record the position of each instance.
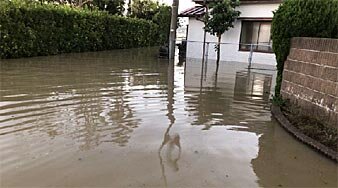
(124, 118)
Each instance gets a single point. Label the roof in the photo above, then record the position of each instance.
(197, 11)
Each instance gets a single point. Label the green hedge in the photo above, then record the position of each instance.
(31, 29)
(301, 18)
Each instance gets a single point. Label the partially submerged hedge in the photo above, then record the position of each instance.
(33, 29)
(301, 18)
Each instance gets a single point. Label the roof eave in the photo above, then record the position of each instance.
(244, 2)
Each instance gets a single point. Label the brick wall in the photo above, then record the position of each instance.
(310, 78)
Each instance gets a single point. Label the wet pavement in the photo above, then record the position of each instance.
(124, 118)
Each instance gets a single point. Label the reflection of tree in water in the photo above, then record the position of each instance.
(206, 109)
(124, 122)
(107, 110)
(107, 115)
(206, 103)
(77, 95)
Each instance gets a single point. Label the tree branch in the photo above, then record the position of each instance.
(81, 4)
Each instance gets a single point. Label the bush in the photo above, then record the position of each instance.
(301, 18)
(32, 29)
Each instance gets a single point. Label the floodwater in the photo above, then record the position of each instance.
(124, 118)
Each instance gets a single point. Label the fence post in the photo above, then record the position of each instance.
(206, 62)
(207, 54)
(250, 55)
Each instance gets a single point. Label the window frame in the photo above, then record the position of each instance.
(240, 36)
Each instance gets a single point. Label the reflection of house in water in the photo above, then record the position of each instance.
(220, 99)
(238, 101)
(252, 85)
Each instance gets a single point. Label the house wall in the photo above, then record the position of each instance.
(227, 77)
(230, 52)
(310, 78)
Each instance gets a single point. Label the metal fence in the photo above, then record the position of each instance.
(241, 47)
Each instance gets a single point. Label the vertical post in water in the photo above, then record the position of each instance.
(173, 27)
(250, 55)
(206, 61)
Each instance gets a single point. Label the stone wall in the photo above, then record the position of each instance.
(310, 78)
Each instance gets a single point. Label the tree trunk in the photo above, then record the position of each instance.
(218, 52)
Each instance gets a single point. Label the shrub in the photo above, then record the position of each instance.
(301, 18)
(32, 29)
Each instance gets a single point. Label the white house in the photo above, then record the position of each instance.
(252, 27)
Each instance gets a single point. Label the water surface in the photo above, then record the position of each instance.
(124, 118)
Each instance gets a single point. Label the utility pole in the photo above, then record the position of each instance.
(173, 27)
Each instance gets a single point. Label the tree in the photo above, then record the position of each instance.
(144, 9)
(162, 19)
(129, 8)
(73, 3)
(153, 11)
(221, 19)
(111, 6)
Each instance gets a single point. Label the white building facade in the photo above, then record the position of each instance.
(252, 27)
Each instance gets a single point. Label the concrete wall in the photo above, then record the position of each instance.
(230, 52)
(310, 78)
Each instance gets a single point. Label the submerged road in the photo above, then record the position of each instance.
(123, 118)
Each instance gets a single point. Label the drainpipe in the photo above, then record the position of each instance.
(173, 27)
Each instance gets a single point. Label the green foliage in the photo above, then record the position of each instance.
(115, 7)
(162, 19)
(72, 3)
(221, 16)
(278, 100)
(145, 9)
(153, 11)
(301, 18)
(32, 29)
(220, 19)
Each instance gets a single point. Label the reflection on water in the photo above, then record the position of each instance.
(126, 119)
(222, 98)
(171, 142)
(252, 84)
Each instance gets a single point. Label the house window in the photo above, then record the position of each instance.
(257, 33)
